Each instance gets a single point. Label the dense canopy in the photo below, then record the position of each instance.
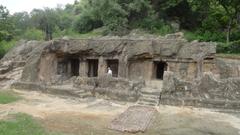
(204, 20)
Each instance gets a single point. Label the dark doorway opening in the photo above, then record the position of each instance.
(74, 67)
(92, 68)
(113, 64)
(159, 68)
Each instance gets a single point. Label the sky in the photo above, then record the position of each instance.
(27, 5)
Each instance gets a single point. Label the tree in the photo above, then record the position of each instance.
(6, 25)
(220, 15)
(232, 10)
(46, 20)
(21, 21)
(117, 16)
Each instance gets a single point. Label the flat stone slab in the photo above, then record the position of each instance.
(134, 119)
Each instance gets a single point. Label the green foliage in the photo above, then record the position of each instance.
(204, 36)
(165, 29)
(6, 25)
(190, 36)
(8, 97)
(116, 16)
(86, 23)
(21, 21)
(46, 20)
(203, 20)
(91, 34)
(5, 46)
(232, 47)
(33, 34)
(22, 124)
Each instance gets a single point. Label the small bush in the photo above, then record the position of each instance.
(67, 32)
(33, 34)
(233, 47)
(190, 36)
(165, 29)
(204, 36)
(155, 26)
(5, 46)
(86, 23)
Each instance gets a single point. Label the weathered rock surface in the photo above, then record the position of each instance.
(174, 48)
(207, 92)
(114, 88)
(12, 64)
(31, 69)
(228, 67)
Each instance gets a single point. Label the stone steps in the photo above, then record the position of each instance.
(149, 98)
(144, 92)
(150, 95)
(146, 104)
(83, 94)
(152, 101)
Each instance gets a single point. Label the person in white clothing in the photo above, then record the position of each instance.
(109, 71)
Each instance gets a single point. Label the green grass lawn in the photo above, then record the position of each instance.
(8, 97)
(22, 124)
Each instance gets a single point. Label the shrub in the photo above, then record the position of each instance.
(86, 23)
(190, 36)
(33, 34)
(5, 46)
(233, 47)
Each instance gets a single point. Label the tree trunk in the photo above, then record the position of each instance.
(48, 34)
(238, 20)
(229, 31)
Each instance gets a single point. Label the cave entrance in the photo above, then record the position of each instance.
(92, 68)
(159, 68)
(113, 64)
(74, 67)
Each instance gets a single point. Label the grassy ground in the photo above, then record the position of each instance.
(8, 97)
(19, 124)
(22, 124)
